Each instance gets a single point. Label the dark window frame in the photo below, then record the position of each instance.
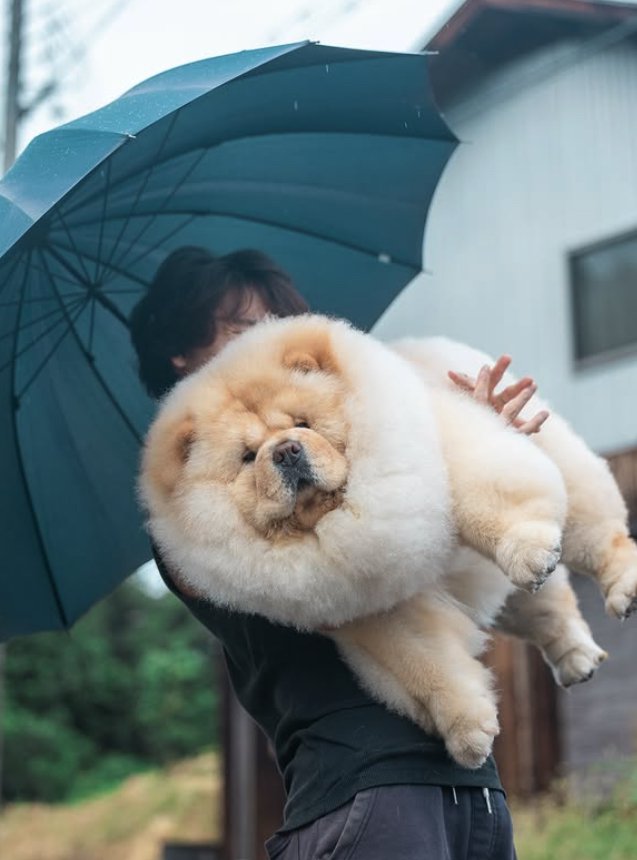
(608, 355)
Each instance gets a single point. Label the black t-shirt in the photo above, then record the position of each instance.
(330, 738)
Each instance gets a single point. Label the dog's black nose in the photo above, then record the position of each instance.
(287, 453)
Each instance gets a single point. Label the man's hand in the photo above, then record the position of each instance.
(510, 401)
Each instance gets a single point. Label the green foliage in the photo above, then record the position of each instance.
(595, 830)
(105, 774)
(42, 756)
(132, 686)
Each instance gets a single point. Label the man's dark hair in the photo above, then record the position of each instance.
(177, 314)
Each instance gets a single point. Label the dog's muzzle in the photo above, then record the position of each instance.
(290, 459)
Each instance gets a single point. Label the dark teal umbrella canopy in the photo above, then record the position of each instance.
(324, 158)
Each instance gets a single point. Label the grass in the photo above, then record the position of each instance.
(128, 823)
(183, 803)
(548, 829)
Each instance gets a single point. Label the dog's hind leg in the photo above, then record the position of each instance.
(420, 660)
(596, 535)
(551, 620)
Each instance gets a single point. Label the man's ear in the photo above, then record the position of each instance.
(310, 352)
(167, 451)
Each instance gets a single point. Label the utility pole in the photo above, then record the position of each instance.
(12, 114)
(12, 111)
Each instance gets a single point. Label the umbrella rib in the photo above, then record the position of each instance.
(146, 176)
(26, 326)
(91, 328)
(7, 280)
(174, 190)
(97, 295)
(160, 242)
(44, 298)
(16, 439)
(101, 230)
(67, 279)
(90, 359)
(53, 349)
(350, 246)
(327, 133)
(87, 278)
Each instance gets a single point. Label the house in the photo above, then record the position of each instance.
(532, 251)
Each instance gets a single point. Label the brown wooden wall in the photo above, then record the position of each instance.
(623, 465)
(527, 751)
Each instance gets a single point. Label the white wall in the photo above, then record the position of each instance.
(541, 171)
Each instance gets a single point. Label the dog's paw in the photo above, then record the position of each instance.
(579, 664)
(621, 597)
(470, 739)
(529, 553)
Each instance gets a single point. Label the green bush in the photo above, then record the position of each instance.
(42, 756)
(132, 686)
(105, 774)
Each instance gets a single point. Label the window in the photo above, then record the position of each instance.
(604, 298)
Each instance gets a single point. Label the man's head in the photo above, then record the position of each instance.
(196, 303)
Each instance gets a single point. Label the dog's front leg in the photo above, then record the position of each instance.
(509, 499)
(419, 660)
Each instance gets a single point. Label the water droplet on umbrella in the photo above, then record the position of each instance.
(296, 105)
(327, 68)
(384, 258)
(405, 124)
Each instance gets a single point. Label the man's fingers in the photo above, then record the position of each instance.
(482, 390)
(510, 401)
(462, 380)
(513, 408)
(533, 425)
(511, 391)
(497, 372)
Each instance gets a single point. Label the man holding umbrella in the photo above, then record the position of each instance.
(361, 782)
(327, 158)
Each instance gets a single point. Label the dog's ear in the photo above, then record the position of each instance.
(300, 360)
(167, 450)
(310, 352)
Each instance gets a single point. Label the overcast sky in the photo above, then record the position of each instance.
(98, 61)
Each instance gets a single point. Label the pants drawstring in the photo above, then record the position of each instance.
(487, 799)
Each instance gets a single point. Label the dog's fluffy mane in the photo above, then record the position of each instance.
(389, 538)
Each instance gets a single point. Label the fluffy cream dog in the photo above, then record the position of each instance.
(312, 475)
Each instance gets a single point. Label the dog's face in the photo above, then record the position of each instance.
(287, 477)
(268, 431)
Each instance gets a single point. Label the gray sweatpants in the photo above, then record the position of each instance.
(406, 822)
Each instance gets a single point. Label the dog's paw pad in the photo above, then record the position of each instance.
(621, 600)
(529, 554)
(579, 665)
(470, 740)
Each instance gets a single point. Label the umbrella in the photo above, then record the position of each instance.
(324, 158)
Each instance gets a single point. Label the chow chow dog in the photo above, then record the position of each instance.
(312, 475)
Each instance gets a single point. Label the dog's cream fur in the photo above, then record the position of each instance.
(417, 518)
